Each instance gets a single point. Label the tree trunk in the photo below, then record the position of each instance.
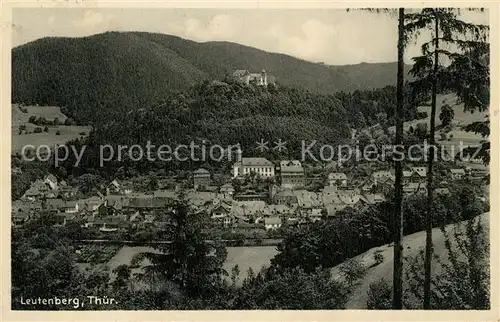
(397, 299)
(430, 189)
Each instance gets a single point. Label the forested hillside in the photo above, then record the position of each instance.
(131, 70)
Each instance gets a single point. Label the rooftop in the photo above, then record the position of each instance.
(291, 166)
(337, 176)
(201, 171)
(272, 221)
(256, 161)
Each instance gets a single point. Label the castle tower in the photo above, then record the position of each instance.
(263, 77)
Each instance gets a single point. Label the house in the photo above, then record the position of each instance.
(260, 166)
(89, 221)
(166, 194)
(35, 206)
(418, 174)
(69, 217)
(251, 195)
(315, 214)
(382, 176)
(277, 210)
(457, 174)
(368, 185)
(349, 197)
(201, 177)
(292, 174)
(32, 194)
(111, 224)
(51, 181)
(20, 206)
(116, 202)
(37, 190)
(201, 198)
(406, 176)
(414, 188)
(20, 217)
(59, 205)
(415, 174)
(478, 174)
(337, 179)
(227, 191)
(307, 199)
(372, 198)
(147, 202)
(246, 77)
(54, 204)
(92, 204)
(221, 214)
(70, 207)
(285, 197)
(272, 223)
(332, 209)
(114, 187)
(248, 209)
(67, 192)
(330, 195)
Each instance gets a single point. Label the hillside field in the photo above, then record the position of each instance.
(245, 257)
(412, 245)
(50, 138)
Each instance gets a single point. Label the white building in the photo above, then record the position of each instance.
(292, 174)
(457, 174)
(260, 166)
(272, 223)
(337, 179)
(246, 77)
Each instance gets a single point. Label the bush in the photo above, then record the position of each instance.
(463, 278)
(352, 271)
(379, 259)
(46, 129)
(82, 133)
(69, 121)
(38, 130)
(291, 289)
(41, 121)
(379, 296)
(58, 132)
(32, 119)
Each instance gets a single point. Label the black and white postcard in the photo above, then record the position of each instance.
(307, 159)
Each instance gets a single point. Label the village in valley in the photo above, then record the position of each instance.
(257, 195)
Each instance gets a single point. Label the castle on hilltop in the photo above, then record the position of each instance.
(260, 79)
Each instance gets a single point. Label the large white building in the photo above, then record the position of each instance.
(260, 166)
(292, 174)
(260, 79)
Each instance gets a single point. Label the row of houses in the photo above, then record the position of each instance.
(49, 187)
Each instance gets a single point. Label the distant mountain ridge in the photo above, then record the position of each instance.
(137, 69)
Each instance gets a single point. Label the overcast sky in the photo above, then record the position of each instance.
(331, 36)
